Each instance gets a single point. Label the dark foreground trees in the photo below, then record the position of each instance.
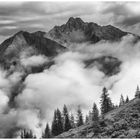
(47, 132)
(79, 117)
(106, 103)
(95, 113)
(57, 125)
(66, 119)
(122, 102)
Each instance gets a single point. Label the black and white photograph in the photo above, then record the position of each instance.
(69, 69)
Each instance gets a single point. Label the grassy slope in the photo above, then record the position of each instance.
(123, 122)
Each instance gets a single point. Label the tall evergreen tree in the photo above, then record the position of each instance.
(137, 94)
(54, 124)
(121, 100)
(106, 104)
(66, 120)
(59, 121)
(79, 117)
(86, 119)
(57, 125)
(127, 99)
(72, 121)
(95, 113)
(47, 133)
(90, 116)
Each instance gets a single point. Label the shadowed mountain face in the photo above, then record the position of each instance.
(107, 64)
(36, 40)
(76, 30)
(25, 43)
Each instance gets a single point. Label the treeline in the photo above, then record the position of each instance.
(63, 121)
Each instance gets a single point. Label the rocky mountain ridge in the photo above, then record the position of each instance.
(76, 30)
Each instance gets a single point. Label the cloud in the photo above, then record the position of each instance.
(34, 60)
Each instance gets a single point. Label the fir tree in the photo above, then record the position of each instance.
(127, 99)
(66, 120)
(86, 119)
(59, 122)
(54, 124)
(106, 104)
(95, 113)
(137, 94)
(57, 125)
(90, 116)
(72, 121)
(79, 117)
(47, 133)
(121, 101)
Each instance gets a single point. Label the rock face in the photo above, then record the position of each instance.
(35, 40)
(21, 46)
(107, 64)
(25, 43)
(122, 122)
(76, 30)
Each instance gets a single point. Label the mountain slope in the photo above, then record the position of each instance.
(123, 122)
(76, 30)
(107, 64)
(25, 43)
(43, 45)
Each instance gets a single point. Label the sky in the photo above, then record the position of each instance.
(34, 16)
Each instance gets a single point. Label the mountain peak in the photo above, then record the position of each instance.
(87, 31)
(21, 32)
(74, 20)
(75, 23)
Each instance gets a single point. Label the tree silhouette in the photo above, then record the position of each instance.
(127, 99)
(47, 133)
(57, 125)
(106, 104)
(66, 120)
(87, 119)
(79, 117)
(72, 121)
(121, 100)
(95, 113)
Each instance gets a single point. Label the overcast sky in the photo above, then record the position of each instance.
(33, 16)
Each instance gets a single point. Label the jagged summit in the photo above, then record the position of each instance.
(72, 21)
(87, 31)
